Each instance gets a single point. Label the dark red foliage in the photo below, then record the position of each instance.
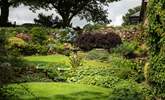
(88, 41)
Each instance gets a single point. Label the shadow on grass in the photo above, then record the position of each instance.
(84, 95)
(39, 62)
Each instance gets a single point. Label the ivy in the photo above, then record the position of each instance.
(156, 42)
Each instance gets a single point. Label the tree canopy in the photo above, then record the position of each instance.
(91, 10)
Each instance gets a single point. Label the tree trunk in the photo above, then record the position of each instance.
(4, 13)
(66, 21)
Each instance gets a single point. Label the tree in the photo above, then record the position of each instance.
(156, 42)
(48, 21)
(91, 10)
(130, 12)
(4, 6)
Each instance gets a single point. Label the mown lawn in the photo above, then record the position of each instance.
(61, 59)
(47, 59)
(58, 91)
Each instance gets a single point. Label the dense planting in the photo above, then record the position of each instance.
(156, 40)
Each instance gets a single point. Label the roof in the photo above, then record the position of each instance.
(145, 0)
(136, 14)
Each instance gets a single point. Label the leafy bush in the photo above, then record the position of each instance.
(15, 42)
(55, 71)
(103, 81)
(75, 61)
(126, 49)
(39, 34)
(98, 55)
(7, 73)
(125, 68)
(129, 90)
(82, 72)
(88, 41)
(66, 35)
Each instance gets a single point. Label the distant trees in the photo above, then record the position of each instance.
(48, 21)
(126, 18)
(91, 10)
(4, 6)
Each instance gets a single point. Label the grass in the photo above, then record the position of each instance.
(58, 91)
(47, 59)
(62, 59)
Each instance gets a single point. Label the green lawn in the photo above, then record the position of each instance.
(61, 59)
(47, 59)
(58, 91)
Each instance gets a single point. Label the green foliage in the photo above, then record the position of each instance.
(103, 81)
(156, 40)
(126, 69)
(98, 55)
(129, 90)
(55, 71)
(39, 34)
(125, 49)
(16, 42)
(75, 61)
(66, 35)
(91, 10)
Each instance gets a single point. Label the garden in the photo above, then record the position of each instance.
(66, 64)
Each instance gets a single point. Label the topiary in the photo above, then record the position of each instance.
(156, 42)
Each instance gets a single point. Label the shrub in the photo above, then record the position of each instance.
(39, 34)
(129, 90)
(126, 49)
(33, 49)
(88, 41)
(25, 37)
(15, 42)
(55, 71)
(66, 35)
(125, 68)
(98, 55)
(82, 72)
(75, 61)
(103, 81)
(7, 73)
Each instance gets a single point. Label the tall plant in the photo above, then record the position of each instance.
(156, 41)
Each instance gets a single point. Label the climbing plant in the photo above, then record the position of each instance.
(156, 42)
